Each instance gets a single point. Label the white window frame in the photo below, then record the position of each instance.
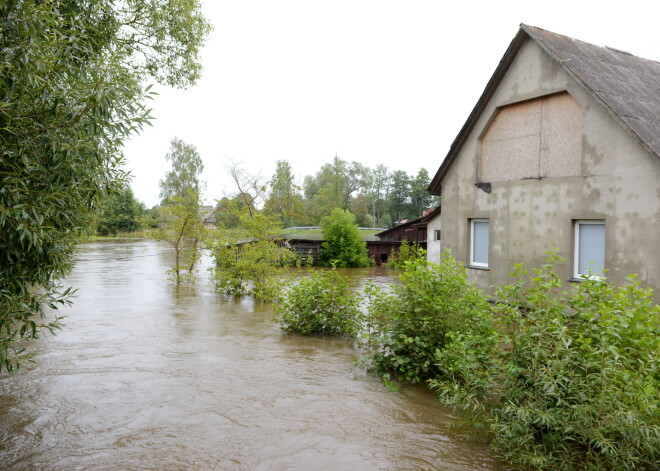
(576, 249)
(474, 263)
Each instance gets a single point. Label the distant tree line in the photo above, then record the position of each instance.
(377, 197)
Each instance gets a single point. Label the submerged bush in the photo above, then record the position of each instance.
(578, 380)
(321, 303)
(343, 245)
(407, 253)
(559, 379)
(253, 268)
(419, 321)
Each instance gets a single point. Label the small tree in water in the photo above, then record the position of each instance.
(181, 224)
(248, 258)
(182, 228)
(247, 253)
(343, 246)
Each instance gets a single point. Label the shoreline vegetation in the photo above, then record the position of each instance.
(77, 81)
(557, 380)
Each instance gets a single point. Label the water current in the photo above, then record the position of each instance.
(146, 375)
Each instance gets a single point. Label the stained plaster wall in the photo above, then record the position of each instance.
(433, 247)
(619, 182)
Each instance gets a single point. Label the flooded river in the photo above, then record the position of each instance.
(148, 376)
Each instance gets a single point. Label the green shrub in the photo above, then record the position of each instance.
(321, 303)
(579, 377)
(407, 252)
(574, 384)
(253, 268)
(343, 246)
(433, 307)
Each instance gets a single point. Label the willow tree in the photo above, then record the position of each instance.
(72, 90)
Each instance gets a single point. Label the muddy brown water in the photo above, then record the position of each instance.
(148, 376)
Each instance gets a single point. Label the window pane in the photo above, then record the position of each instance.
(591, 249)
(480, 242)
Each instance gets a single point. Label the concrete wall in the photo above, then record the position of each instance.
(614, 179)
(433, 247)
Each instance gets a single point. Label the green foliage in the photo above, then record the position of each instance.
(150, 218)
(376, 191)
(375, 196)
(343, 246)
(579, 379)
(433, 308)
(183, 177)
(71, 93)
(398, 198)
(420, 199)
(182, 228)
(252, 268)
(407, 253)
(248, 257)
(121, 212)
(285, 201)
(321, 303)
(571, 380)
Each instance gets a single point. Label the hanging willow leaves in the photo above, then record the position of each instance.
(72, 90)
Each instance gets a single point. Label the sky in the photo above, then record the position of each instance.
(375, 81)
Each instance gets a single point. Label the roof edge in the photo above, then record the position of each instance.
(548, 50)
(456, 146)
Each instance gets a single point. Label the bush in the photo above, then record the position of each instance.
(322, 303)
(433, 307)
(579, 377)
(568, 380)
(343, 246)
(407, 252)
(253, 268)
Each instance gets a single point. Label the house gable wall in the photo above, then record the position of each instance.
(615, 179)
(433, 246)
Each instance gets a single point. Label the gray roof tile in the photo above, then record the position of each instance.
(628, 85)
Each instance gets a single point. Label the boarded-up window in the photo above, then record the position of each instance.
(534, 139)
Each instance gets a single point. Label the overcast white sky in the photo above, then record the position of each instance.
(376, 81)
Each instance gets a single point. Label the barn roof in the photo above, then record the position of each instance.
(421, 221)
(627, 85)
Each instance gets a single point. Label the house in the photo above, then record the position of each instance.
(411, 231)
(207, 213)
(561, 151)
